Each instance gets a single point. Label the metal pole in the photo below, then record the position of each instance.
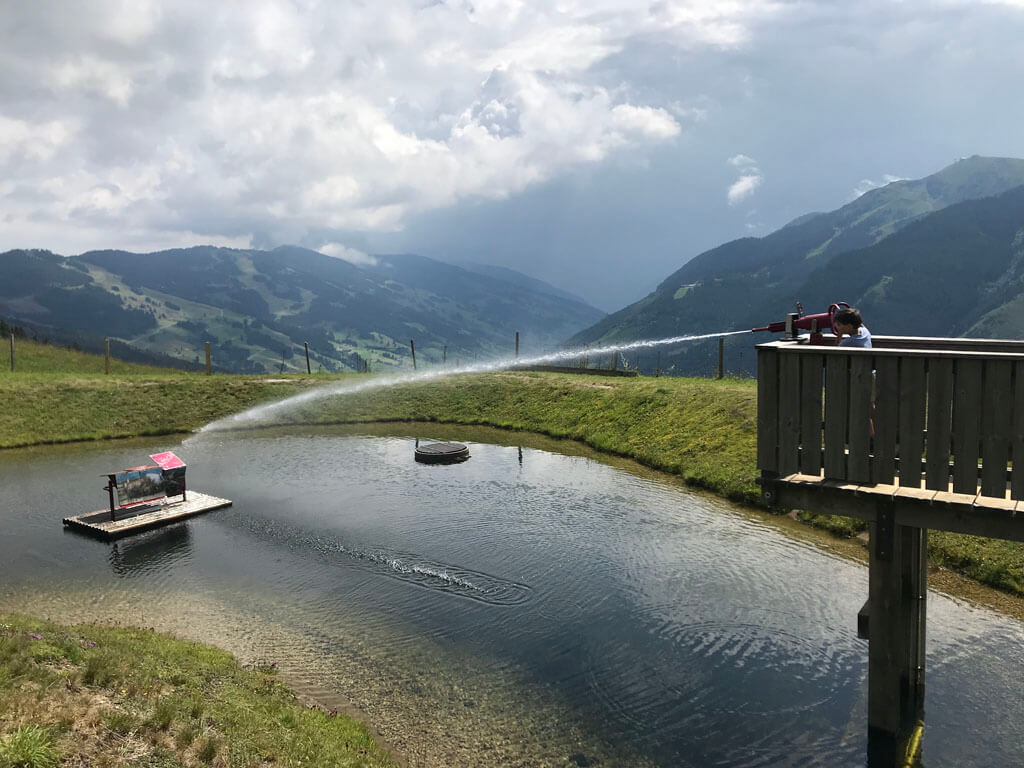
(517, 345)
(444, 355)
(721, 356)
(12, 353)
(306, 345)
(106, 355)
(412, 346)
(207, 358)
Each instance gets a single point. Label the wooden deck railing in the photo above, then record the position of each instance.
(947, 414)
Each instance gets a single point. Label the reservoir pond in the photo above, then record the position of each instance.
(528, 607)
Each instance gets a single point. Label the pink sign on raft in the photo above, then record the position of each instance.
(167, 460)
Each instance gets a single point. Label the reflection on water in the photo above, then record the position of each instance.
(521, 608)
(148, 553)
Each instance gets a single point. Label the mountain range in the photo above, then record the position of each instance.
(259, 308)
(937, 256)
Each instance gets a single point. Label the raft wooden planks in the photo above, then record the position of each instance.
(94, 524)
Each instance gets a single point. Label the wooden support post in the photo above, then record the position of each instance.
(444, 355)
(412, 346)
(517, 345)
(721, 356)
(306, 345)
(897, 588)
(207, 358)
(106, 356)
(111, 484)
(12, 353)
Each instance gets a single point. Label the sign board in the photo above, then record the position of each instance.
(167, 460)
(139, 484)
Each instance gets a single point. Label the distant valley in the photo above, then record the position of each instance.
(258, 308)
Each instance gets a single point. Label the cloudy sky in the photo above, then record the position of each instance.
(596, 144)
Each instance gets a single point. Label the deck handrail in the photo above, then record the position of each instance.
(945, 414)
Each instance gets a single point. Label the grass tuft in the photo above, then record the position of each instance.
(131, 714)
(29, 747)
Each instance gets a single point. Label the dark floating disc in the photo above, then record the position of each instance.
(442, 453)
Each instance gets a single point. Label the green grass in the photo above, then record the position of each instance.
(29, 747)
(161, 702)
(35, 357)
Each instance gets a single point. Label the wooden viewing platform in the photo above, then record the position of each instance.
(911, 434)
(144, 516)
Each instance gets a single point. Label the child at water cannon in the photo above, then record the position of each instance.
(850, 329)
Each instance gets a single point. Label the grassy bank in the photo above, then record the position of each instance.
(112, 697)
(702, 430)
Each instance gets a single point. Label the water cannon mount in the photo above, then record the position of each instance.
(798, 321)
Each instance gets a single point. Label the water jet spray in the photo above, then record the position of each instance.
(254, 416)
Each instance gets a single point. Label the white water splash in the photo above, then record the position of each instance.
(263, 413)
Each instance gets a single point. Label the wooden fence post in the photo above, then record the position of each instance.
(207, 358)
(12, 353)
(412, 346)
(106, 356)
(306, 345)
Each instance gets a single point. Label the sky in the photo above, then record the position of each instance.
(594, 144)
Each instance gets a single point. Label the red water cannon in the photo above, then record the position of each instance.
(798, 321)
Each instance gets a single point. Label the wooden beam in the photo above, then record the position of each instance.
(917, 507)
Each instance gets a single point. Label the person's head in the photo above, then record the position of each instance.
(848, 320)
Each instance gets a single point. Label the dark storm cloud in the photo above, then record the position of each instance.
(589, 144)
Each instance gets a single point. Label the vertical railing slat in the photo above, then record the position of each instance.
(861, 382)
(996, 421)
(966, 429)
(789, 413)
(836, 413)
(1017, 435)
(885, 419)
(767, 409)
(912, 404)
(810, 413)
(940, 399)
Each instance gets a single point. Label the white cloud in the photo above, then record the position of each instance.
(742, 161)
(351, 255)
(866, 185)
(743, 188)
(277, 116)
(750, 178)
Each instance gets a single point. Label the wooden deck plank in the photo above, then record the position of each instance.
(767, 410)
(99, 524)
(789, 414)
(861, 385)
(912, 409)
(996, 422)
(967, 397)
(812, 368)
(886, 420)
(940, 398)
(1017, 434)
(836, 411)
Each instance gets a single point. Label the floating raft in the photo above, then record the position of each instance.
(144, 516)
(441, 453)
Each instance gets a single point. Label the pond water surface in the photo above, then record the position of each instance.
(523, 608)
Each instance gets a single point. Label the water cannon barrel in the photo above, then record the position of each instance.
(777, 327)
(816, 324)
